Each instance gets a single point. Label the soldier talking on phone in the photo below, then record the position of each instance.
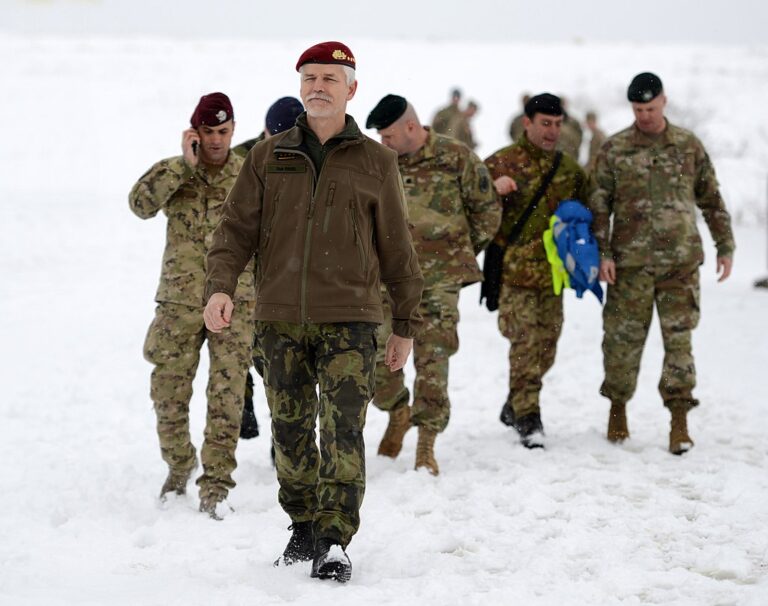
(190, 189)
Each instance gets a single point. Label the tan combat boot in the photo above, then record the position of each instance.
(618, 431)
(176, 482)
(679, 440)
(399, 424)
(425, 451)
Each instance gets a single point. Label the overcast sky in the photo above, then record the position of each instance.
(654, 21)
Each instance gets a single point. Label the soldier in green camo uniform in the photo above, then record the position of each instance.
(453, 214)
(445, 117)
(530, 314)
(191, 189)
(322, 207)
(649, 178)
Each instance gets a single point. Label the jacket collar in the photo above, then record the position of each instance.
(294, 137)
(534, 151)
(664, 138)
(425, 152)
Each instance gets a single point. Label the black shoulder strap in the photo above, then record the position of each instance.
(518, 227)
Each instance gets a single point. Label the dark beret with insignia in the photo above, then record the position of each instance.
(327, 53)
(386, 112)
(282, 114)
(212, 110)
(644, 87)
(544, 103)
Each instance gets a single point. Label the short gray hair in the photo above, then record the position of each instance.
(349, 72)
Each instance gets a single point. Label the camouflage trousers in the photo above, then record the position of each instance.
(173, 345)
(324, 370)
(626, 318)
(437, 341)
(531, 319)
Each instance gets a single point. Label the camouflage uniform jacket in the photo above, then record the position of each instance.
(192, 199)
(595, 143)
(452, 210)
(571, 136)
(443, 119)
(528, 164)
(652, 187)
(323, 239)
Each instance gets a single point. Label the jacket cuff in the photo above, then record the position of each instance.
(211, 288)
(407, 329)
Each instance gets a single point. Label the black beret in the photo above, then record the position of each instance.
(386, 112)
(644, 87)
(282, 114)
(544, 104)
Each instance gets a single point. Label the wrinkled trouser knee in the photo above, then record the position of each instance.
(173, 345)
(338, 361)
(626, 319)
(437, 341)
(531, 319)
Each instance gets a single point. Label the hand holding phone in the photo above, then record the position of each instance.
(190, 143)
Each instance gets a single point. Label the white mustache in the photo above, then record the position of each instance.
(320, 96)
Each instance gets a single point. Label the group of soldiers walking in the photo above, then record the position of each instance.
(324, 258)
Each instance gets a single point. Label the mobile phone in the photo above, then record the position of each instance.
(194, 147)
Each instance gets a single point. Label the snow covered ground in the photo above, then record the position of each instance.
(583, 522)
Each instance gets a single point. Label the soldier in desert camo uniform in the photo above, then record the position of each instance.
(453, 214)
(649, 179)
(190, 190)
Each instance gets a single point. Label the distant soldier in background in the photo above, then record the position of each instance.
(281, 116)
(516, 128)
(460, 126)
(452, 214)
(531, 174)
(649, 178)
(444, 118)
(595, 142)
(190, 189)
(571, 134)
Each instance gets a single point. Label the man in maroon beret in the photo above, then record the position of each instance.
(190, 189)
(321, 207)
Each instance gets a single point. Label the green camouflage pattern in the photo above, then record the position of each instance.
(192, 200)
(526, 262)
(452, 210)
(443, 119)
(651, 187)
(626, 319)
(432, 347)
(325, 485)
(571, 136)
(173, 345)
(531, 319)
(516, 128)
(595, 144)
(460, 129)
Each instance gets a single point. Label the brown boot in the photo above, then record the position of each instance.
(618, 431)
(679, 440)
(425, 451)
(399, 424)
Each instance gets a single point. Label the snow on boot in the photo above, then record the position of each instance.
(618, 431)
(300, 547)
(425, 451)
(177, 482)
(531, 430)
(679, 440)
(507, 415)
(399, 424)
(215, 506)
(331, 562)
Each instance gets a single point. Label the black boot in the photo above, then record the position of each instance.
(531, 430)
(507, 415)
(331, 562)
(300, 547)
(249, 426)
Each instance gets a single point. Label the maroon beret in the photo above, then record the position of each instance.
(212, 110)
(327, 53)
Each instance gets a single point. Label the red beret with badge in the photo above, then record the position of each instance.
(327, 53)
(212, 110)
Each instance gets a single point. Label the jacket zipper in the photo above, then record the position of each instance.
(310, 214)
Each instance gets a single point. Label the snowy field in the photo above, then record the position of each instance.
(581, 523)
